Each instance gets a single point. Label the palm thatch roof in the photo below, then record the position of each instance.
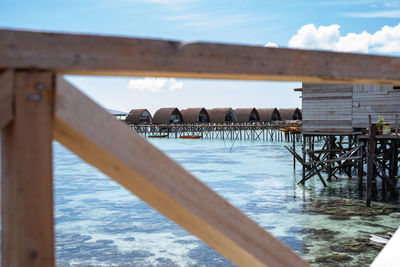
(191, 115)
(134, 116)
(219, 115)
(163, 115)
(247, 114)
(269, 114)
(288, 114)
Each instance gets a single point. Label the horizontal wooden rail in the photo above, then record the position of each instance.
(97, 137)
(100, 55)
(6, 91)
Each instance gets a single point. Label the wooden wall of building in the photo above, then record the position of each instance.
(343, 107)
(327, 107)
(377, 100)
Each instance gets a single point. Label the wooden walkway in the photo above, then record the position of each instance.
(263, 132)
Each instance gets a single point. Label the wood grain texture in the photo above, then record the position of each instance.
(327, 107)
(97, 137)
(27, 189)
(375, 100)
(101, 55)
(6, 89)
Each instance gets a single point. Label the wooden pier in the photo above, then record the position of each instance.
(281, 132)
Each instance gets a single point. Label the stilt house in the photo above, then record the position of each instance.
(247, 115)
(289, 114)
(139, 116)
(167, 116)
(268, 114)
(195, 115)
(222, 115)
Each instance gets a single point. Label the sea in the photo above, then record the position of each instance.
(99, 223)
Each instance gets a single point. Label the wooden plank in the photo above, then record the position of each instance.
(317, 86)
(6, 88)
(27, 189)
(389, 255)
(97, 137)
(100, 55)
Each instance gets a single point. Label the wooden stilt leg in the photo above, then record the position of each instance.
(370, 164)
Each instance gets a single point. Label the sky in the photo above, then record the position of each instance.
(361, 26)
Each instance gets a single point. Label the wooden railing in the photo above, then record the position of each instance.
(37, 105)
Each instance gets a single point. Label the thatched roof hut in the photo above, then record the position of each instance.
(269, 114)
(247, 114)
(167, 116)
(195, 115)
(220, 115)
(288, 114)
(139, 116)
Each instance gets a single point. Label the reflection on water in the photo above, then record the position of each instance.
(98, 223)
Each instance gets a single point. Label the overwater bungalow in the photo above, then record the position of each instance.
(222, 115)
(139, 116)
(289, 114)
(167, 116)
(244, 115)
(195, 115)
(268, 114)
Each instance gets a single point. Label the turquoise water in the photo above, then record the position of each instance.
(99, 223)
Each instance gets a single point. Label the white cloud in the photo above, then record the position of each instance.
(156, 85)
(386, 40)
(323, 37)
(354, 42)
(271, 44)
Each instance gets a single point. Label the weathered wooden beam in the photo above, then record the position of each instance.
(26, 184)
(97, 137)
(6, 91)
(101, 55)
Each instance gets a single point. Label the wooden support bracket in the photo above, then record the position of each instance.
(97, 137)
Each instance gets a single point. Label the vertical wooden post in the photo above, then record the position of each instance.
(370, 164)
(304, 158)
(294, 150)
(331, 145)
(27, 189)
(360, 166)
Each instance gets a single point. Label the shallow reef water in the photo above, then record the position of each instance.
(99, 223)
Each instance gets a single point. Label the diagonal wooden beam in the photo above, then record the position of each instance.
(6, 92)
(93, 134)
(101, 55)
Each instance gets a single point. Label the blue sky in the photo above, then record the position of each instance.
(354, 25)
